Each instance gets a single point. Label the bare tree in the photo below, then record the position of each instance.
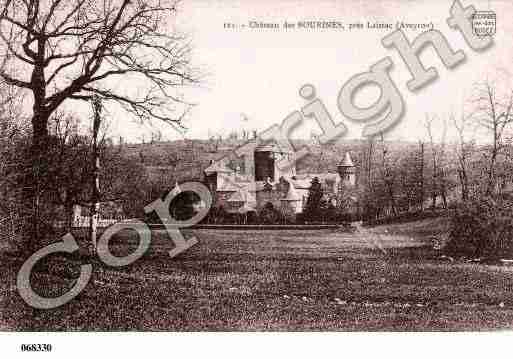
(409, 166)
(12, 137)
(388, 176)
(61, 51)
(156, 136)
(68, 155)
(72, 170)
(465, 148)
(494, 112)
(420, 175)
(369, 198)
(438, 170)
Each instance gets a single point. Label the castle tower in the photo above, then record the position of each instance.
(267, 159)
(347, 171)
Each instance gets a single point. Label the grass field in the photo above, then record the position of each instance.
(274, 280)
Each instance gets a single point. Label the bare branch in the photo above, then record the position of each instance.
(75, 47)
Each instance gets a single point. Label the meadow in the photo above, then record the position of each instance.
(276, 280)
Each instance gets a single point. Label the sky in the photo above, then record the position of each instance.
(252, 76)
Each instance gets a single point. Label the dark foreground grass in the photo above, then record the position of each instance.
(271, 280)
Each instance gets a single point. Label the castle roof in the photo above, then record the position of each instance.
(304, 183)
(217, 167)
(271, 147)
(248, 186)
(242, 195)
(238, 196)
(347, 162)
(247, 207)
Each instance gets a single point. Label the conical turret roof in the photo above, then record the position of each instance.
(347, 162)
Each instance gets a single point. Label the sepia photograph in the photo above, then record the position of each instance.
(297, 168)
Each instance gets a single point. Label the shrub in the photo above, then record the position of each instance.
(252, 217)
(269, 215)
(482, 228)
(314, 201)
(217, 215)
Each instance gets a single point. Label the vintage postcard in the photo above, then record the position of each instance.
(253, 166)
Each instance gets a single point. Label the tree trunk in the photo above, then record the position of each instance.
(493, 159)
(462, 174)
(444, 196)
(421, 176)
(491, 174)
(391, 198)
(34, 185)
(434, 179)
(68, 209)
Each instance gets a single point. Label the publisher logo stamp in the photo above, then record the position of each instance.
(484, 23)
